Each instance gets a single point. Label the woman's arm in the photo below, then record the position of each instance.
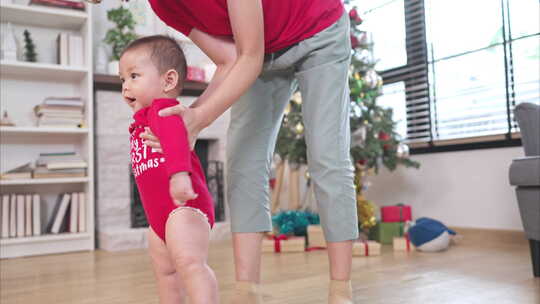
(246, 18)
(239, 62)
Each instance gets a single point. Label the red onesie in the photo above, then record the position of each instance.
(152, 169)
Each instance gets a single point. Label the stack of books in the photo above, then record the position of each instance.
(60, 165)
(64, 112)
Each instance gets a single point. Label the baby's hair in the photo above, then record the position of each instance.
(165, 53)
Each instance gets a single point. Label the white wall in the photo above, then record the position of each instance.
(147, 24)
(462, 189)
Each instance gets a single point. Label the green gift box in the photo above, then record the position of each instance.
(384, 233)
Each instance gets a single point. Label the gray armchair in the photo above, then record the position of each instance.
(525, 174)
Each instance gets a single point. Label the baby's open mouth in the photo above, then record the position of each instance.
(130, 99)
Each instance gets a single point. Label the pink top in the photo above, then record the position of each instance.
(152, 169)
(286, 22)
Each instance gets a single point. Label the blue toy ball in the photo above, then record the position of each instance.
(430, 235)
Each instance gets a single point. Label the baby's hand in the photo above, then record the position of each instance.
(181, 189)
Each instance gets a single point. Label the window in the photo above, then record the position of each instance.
(459, 69)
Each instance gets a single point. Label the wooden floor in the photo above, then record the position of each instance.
(467, 273)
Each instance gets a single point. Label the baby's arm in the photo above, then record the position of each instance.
(172, 135)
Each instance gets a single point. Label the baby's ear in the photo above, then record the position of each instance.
(171, 80)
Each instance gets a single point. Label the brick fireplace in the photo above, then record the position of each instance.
(113, 185)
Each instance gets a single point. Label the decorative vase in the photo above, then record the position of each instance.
(101, 61)
(113, 68)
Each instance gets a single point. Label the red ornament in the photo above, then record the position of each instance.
(272, 183)
(354, 42)
(386, 147)
(353, 15)
(384, 136)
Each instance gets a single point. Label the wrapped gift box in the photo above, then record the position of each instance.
(397, 213)
(284, 243)
(385, 232)
(315, 236)
(402, 244)
(366, 248)
(195, 74)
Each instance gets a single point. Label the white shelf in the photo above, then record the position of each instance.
(42, 130)
(43, 16)
(44, 238)
(43, 181)
(38, 70)
(24, 85)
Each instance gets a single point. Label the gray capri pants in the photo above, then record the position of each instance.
(319, 65)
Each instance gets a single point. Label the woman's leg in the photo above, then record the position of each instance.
(323, 81)
(169, 284)
(188, 236)
(251, 140)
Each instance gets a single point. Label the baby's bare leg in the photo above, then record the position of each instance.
(188, 236)
(170, 287)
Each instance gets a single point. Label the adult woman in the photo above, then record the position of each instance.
(263, 49)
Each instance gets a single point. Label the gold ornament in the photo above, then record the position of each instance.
(299, 128)
(357, 76)
(297, 98)
(365, 208)
(379, 82)
(287, 109)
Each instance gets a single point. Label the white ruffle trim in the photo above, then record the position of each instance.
(198, 211)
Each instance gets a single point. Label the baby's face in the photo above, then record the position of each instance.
(141, 81)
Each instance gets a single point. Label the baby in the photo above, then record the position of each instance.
(172, 185)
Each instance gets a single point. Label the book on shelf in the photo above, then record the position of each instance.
(63, 101)
(75, 50)
(59, 110)
(61, 160)
(71, 4)
(36, 214)
(28, 215)
(20, 215)
(5, 216)
(74, 213)
(21, 172)
(58, 218)
(70, 49)
(43, 172)
(59, 122)
(82, 212)
(13, 216)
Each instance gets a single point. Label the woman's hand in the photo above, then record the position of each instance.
(193, 121)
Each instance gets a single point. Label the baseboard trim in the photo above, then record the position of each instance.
(486, 236)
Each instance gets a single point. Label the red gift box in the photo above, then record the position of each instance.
(397, 213)
(195, 74)
(283, 243)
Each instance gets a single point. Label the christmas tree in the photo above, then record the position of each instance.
(29, 48)
(375, 141)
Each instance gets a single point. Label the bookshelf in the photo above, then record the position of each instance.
(43, 16)
(21, 131)
(23, 86)
(43, 181)
(40, 70)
